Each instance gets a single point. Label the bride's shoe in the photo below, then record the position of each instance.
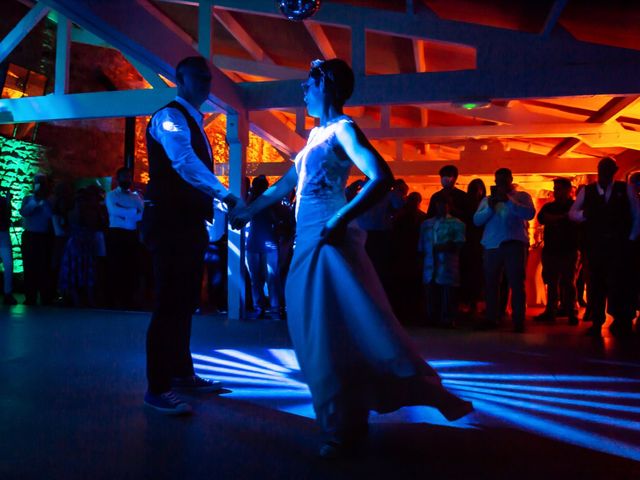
(455, 410)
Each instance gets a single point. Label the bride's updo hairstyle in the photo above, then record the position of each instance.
(338, 78)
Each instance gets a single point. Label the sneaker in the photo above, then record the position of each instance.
(167, 403)
(195, 383)
(9, 299)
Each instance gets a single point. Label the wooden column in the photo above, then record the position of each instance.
(238, 139)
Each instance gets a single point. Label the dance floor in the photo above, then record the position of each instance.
(550, 403)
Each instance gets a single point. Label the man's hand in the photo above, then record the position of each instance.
(231, 201)
(334, 231)
(240, 215)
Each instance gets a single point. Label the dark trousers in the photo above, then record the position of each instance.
(509, 258)
(122, 266)
(442, 304)
(36, 260)
(377, 246)
(216, 265)
(612, 283)
(178, 262)
(559, 274)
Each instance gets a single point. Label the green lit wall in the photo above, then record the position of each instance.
(19, 162)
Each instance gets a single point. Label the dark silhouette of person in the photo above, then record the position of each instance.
(406, 269)
(262, 255)
(37, 243)
(609, 211)
(471, 272)
(456, 198)
(559, 253)
(6, 249)
(215, 259)
(634, 181)
(79, 279)
(441, 239)
(178, 201)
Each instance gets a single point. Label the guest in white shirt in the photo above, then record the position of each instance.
(178, 201)
(610, 214)
(125, 211)
(505, 215)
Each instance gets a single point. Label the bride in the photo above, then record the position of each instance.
(354, 354)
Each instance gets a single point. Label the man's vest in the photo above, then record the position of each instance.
(607, 222)
(174, 197)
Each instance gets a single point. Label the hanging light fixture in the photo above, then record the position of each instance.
(298, 10)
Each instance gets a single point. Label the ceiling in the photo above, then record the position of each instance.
(546, 86)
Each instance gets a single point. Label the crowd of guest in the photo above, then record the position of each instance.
(465, 257)
(79, 247)
(473, 249)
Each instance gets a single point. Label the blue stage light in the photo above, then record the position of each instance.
(545, 398)
(557, 430)
(541, 378)
(535, 402)
(588, 392)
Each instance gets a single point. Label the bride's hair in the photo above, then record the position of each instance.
(337, 75)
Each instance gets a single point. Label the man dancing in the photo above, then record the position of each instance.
(179, 199)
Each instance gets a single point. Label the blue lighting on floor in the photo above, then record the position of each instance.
(558, 400)
(559, 406)
(557, 429)
(541, 378)
(558, 390)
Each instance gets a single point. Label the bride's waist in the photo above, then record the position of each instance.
(317, 209)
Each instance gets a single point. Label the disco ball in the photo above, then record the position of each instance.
(298, 9)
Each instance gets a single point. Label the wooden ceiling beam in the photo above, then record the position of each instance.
(607, 114)
(415, 88)
(134, 28)
(519, 163)
(242, 36)
(553, 16)
(321, 39)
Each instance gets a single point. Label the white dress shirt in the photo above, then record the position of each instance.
(125, 209)
(169, 127)
(576, 213)
(506, 221)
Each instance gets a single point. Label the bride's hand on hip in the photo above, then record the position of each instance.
(334, 231)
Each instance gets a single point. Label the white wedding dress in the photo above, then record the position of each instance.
(354, 354)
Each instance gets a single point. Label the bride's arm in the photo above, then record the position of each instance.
(238, 217)
(369, 161)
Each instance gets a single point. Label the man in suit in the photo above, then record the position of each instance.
(178, 202)
(611, 217)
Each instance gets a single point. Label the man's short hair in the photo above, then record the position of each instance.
(562, 181)
(449, 171)
(195, 62)
(607, 165)
(122, 171)
(504, 171)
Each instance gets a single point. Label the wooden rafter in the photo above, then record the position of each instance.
(554, 15)
(320, 38)
(21, 30)
(613, 109)
(242, 36)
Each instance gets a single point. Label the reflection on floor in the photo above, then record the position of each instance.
(548, 402)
